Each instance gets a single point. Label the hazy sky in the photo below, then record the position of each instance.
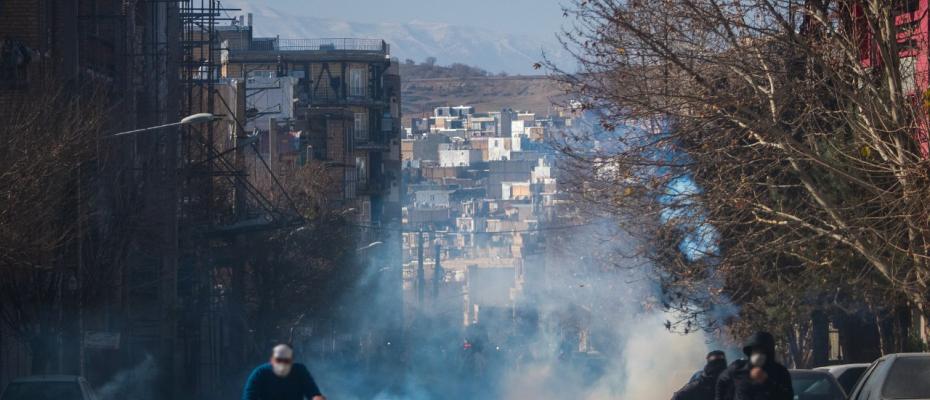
(536, 17)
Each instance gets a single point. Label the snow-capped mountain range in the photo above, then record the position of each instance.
(493, 51)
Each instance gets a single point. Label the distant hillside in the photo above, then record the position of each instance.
(429, 69)
(425, 87)
(418, 40)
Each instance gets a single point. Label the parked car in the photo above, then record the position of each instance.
(49, 387)
(846, 374)
(896, 376)
(815, 385)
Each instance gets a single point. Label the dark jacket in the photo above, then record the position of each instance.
(702, 388)
(703, 385)
(263, 384)
(734, 383)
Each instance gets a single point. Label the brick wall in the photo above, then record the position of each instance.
(23, 20)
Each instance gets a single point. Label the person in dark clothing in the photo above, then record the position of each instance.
(704, 384)
(281, 379)
(713, 355)
(758, 377)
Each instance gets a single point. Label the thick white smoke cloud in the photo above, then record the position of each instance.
(649, 362)
(628, 352)
(658, 362)
(643, 360)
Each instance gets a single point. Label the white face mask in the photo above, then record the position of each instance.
(281, 370)
(757, 359)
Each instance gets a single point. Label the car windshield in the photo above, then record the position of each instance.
(909, 378)
(42, 391)
(849, 378)
(814, 387)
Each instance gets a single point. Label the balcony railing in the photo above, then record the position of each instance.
(326, 44)
(369, 187)
(373, 141)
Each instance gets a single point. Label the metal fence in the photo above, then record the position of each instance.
(332, 44)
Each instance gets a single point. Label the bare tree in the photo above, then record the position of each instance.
(759, 145)
(301, 273)
(47, 145)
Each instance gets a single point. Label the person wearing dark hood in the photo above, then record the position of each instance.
(704, 383)
(759, 376)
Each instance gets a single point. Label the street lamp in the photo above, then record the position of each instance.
(369, 246)
(188, 120)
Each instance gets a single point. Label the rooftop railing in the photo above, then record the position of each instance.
(325, 44)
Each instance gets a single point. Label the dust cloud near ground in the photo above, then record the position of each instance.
(134, 383)
(625, 351)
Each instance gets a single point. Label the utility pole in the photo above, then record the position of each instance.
(421, 278)
(80, 273)
(438, 272)
(273, 129)
(237, 344)
(241, 136)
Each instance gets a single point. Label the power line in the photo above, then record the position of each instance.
(262, 201)
(274, 177)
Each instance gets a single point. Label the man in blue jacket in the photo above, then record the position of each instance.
(281, 379)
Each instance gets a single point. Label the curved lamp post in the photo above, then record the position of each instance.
(188, 120)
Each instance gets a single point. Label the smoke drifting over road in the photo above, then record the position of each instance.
(134, 383)
(587, 328)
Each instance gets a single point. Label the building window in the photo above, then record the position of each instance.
(14, 61)
(361, 126)
(906, 6)
(357, 86)
(261, 73)
(350, 184)
(361, 171)
(347, 138)
(908, 69)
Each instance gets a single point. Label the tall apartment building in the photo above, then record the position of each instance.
(346, 115)
(347, 104)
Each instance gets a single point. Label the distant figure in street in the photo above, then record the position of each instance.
(704, 383)
(281, 379)
(757, 378)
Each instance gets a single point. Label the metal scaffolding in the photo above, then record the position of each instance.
(202, 171)
(217, 203)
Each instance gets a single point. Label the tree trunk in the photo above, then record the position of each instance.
(882, 342)
(794, 350)
(820, 339)
(920, 320)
